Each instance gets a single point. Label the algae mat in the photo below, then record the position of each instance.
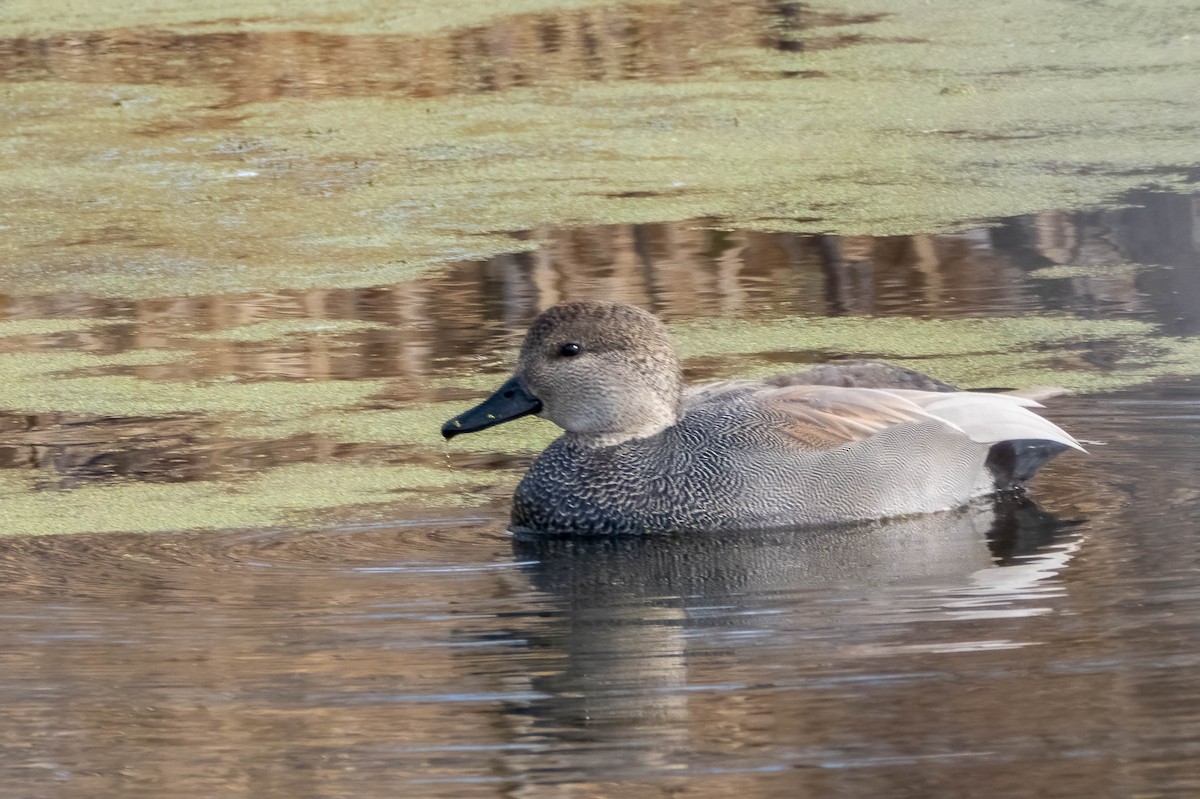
(32, 18)
(926, 117)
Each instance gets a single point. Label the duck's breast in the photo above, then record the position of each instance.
(665, 483)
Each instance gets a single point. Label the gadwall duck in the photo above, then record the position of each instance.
(642, 453)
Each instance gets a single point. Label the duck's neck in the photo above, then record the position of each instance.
(600, 440)
(651, 420)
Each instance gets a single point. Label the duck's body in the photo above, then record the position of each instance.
(736, 470)
(643, 455)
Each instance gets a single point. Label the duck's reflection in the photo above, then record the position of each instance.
(647, 625)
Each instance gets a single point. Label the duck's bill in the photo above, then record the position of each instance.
(511, 401)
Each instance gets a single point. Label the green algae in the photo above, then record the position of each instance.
(29, 18)
(417, 425)
(34, 367)
(897, 336)
(1062, 271)
(1167, 358)
(76, 383)
(1133, 365)
(1069, 106)
(283, 328)
(478, 382)
(285, 495)
(134, 192)
(43, 382)
(10, 328)
(1025, 370)
(1015, 353)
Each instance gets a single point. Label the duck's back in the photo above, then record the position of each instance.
(737, 462)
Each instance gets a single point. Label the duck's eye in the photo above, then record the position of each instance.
(569, 350)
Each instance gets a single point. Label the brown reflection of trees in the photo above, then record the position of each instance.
(1160, 230)
(659, 41)
(681, 270)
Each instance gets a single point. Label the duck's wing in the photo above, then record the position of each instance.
(824, 417)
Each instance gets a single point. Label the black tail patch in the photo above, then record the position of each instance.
(1013, 463)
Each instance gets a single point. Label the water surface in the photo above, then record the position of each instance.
(238, 559)
(995, 651)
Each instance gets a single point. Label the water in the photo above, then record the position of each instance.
(241, 562)
(1045, 649)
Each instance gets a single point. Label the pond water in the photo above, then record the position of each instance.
(1006, 651)
(238, 560)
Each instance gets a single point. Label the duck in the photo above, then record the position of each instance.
(642, 453)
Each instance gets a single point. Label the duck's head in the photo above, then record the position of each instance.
(602, 370)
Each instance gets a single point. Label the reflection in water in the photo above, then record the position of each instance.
(340, 662)
(637, 611)
(661, 41)
(677, 270)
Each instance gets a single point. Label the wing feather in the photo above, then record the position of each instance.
(992, 418)
(829, 416)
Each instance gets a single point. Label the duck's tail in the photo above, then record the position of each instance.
(1014, 463)
(1021, 441)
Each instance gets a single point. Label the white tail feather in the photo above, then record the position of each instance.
(992, 418)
